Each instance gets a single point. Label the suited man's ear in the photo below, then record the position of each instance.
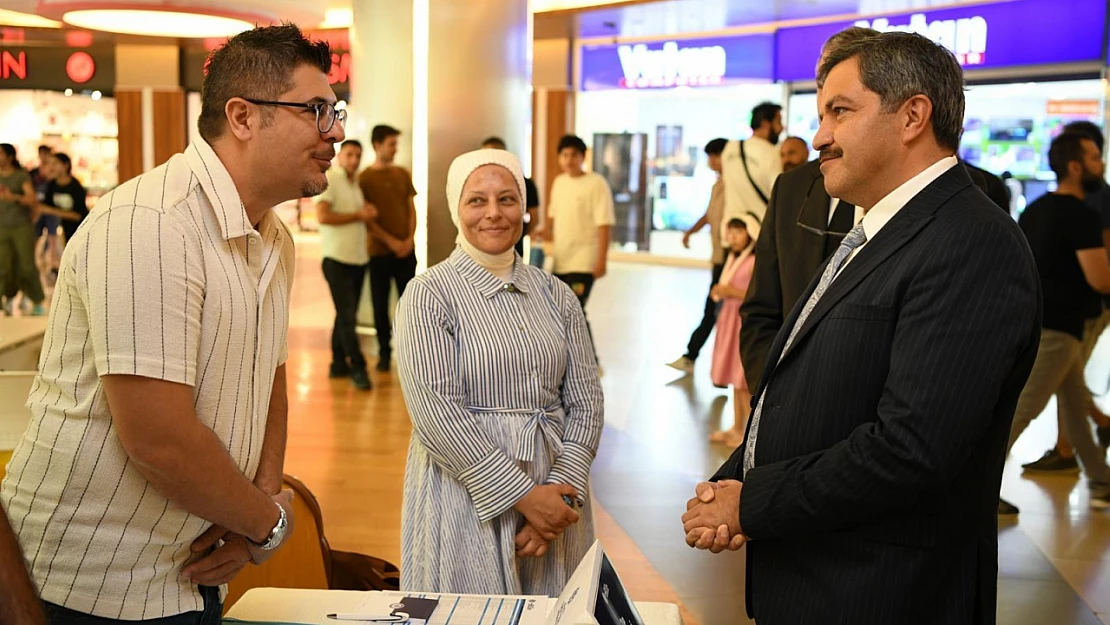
(917, 115)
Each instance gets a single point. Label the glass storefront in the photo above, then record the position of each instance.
(80, 125)
(672, 127)
(647, 108)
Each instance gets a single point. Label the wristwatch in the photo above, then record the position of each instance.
(277, 534)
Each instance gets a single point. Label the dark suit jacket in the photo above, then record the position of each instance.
(879, 458)
(991, 184)
(787, 257)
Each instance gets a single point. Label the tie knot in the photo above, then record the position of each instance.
(855, 237)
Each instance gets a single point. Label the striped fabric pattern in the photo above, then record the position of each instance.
(166, 279)
(503, 391)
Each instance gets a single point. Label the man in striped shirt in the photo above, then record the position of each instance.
(151, 471)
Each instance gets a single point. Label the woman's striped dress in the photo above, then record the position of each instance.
(503, 391)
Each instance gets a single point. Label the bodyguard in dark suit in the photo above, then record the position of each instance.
(798, 236)
(866, 490)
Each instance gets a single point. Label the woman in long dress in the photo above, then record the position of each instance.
(498, 373)
(727, 367)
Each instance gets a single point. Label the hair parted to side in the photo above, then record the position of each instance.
(898, 66)
(258, 63)
(845, 37)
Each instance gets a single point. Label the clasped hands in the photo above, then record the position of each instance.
(712, 519)
(225, 561)
(546, 516)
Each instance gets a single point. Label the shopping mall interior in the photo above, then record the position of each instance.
(646, 85)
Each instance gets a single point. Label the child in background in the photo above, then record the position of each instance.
(729, 291)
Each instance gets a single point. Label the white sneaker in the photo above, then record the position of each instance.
(683, 364)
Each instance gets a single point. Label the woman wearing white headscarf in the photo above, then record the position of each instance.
(498, 373)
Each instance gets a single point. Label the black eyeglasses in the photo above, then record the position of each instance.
(326, 113)
(821, 232)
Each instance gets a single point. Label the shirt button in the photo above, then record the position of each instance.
(254, 241)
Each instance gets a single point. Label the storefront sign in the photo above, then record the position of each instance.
(58, 68)
(1004, 34)
(966, 37)
(1074, 108)
(689, 63)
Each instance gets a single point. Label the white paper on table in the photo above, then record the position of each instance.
(467, 609)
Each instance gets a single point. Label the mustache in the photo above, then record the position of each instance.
(828, 153)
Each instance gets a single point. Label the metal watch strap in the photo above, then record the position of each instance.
(274, 539)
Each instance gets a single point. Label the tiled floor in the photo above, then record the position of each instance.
(1055, 558)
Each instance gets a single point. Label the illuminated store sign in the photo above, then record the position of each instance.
(1004, 34)
(689, 63)
(966, 37)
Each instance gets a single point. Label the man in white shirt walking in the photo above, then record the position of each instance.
(343, 215)
(579, 219)
(151, 472)
(750, 167)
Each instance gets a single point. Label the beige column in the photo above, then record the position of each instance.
(448, 73)
(150, 106)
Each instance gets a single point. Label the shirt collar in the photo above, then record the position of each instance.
(888, 207)
(487, 284)
(220, 189)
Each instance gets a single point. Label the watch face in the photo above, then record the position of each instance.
(277, 534)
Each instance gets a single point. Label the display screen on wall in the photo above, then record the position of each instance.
(684, 63)
(57, 68)
(1006, 34)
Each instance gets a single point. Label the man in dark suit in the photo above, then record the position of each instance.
(867, 485)
(801, 230)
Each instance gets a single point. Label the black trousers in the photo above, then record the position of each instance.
(212, 614)
(582, 284)
(385, 271)
(345, 283)
(708, 320)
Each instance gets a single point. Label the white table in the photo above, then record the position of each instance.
(20, 342)
(311, 607)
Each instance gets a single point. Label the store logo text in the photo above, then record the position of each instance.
(672, 66)
(965, 37)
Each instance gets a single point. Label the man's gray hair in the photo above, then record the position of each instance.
(845, 37)
(899, 66)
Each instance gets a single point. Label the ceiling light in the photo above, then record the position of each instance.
(338, 18)
(158, 23)
(26, 20)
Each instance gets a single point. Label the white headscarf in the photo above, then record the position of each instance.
(500, 265)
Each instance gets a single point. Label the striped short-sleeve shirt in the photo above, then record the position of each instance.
(166, 279)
